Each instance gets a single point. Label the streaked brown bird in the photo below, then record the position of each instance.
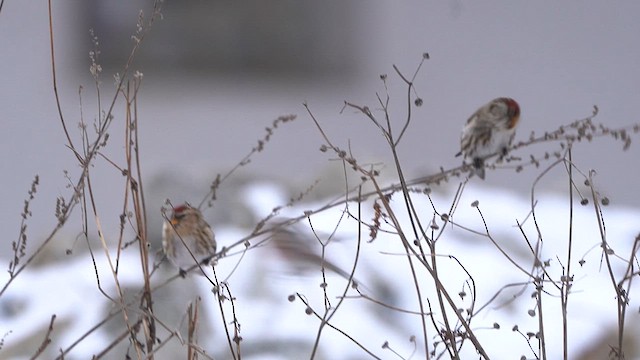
(187, 238)
(489, 132)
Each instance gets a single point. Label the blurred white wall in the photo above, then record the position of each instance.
(217, 73)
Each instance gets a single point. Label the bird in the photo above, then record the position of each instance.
(187, 239)
(489, 132)
(302, 252)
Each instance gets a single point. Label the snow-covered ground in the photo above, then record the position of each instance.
(272, 327)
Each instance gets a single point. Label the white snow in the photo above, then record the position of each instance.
(262, 283)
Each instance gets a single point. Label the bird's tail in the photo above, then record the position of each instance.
(478, 167)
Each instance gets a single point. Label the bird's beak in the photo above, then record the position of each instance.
(174, 221)
(513, 121)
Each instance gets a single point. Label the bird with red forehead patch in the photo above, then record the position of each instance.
(187, 239)
(489, 132)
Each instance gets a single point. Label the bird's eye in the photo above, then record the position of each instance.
(179, 212)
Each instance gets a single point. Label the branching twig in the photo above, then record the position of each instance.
(47, 339)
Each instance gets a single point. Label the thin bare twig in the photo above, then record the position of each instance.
(47, 339)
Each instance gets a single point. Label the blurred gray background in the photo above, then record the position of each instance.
(216, 73)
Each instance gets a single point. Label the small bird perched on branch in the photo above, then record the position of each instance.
(488, 132)
(187, 239)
